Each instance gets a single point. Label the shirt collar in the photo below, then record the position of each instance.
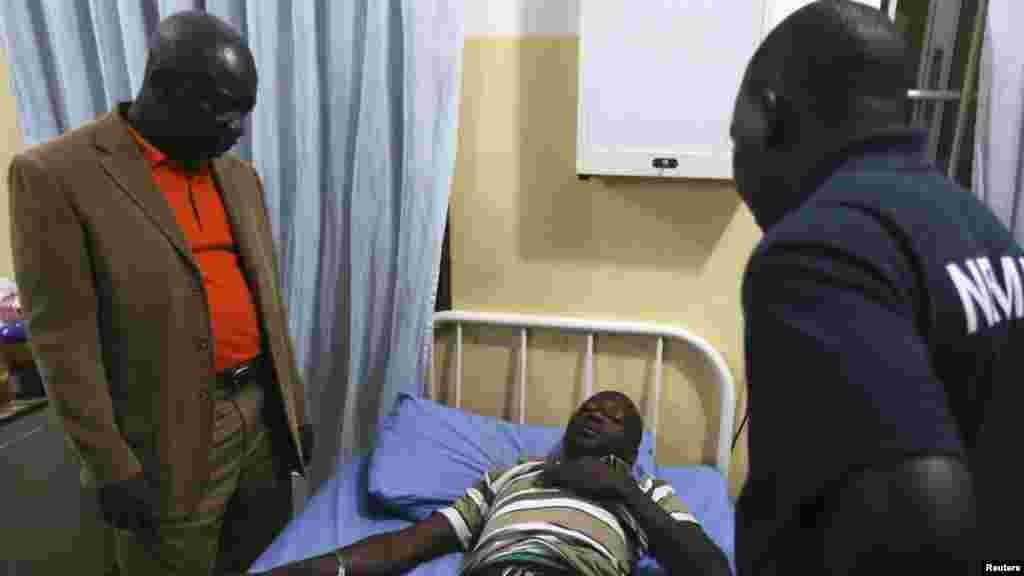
(154, 156)
(894, 150)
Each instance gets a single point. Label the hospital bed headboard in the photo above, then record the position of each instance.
(592, 328)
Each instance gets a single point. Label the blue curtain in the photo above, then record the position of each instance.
(354, 134)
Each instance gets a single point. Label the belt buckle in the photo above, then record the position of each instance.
(236, 377)
(238, 373)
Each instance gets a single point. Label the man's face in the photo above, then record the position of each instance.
(206, 110)
(599, 428)
(745, 152)
(763, 162)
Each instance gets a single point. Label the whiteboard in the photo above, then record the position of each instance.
(657, 80)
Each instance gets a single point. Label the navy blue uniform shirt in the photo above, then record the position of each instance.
(882, 322)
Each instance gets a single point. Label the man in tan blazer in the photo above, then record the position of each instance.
(150, 285)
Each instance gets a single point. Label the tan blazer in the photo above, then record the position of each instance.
(117, 314)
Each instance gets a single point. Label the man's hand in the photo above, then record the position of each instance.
(590, 478)
(306, 435)
(128, 505)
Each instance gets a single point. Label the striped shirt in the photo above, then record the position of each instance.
(510, 516)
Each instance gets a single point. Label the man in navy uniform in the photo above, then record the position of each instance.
(882, 310)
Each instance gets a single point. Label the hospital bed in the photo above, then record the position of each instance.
(427, 453)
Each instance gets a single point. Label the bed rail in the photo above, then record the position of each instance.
(592, 328)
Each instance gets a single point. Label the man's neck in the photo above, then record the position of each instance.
(137, 115)
(821, 162)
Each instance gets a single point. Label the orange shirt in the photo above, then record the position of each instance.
(200, 214)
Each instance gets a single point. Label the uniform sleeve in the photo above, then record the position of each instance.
(839, 376)
(469, 513)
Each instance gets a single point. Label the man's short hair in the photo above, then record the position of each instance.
(830, 54)
(633, 421)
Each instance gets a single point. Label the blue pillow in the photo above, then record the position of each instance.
(428, 454)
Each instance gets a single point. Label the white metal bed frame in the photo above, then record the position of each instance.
(591, 328)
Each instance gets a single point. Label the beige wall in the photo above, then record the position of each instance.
(10, 143)
(527, 236)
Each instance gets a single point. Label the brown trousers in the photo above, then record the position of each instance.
(246, 504)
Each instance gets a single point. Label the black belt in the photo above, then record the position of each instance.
(233, 379)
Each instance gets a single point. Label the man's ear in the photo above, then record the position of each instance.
(776, 118)
(772, 109)
(758, 119)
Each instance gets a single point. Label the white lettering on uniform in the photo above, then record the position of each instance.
(1010, 299)
(973, 291)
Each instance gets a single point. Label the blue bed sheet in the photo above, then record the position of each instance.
(339, 514)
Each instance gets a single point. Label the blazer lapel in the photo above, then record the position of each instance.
(255, 254)
(123, 161)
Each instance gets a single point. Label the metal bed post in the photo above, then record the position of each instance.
(458, 365)
(522, 376)
(655, 398)
(431, 386)
(725, 381)
(588, 369)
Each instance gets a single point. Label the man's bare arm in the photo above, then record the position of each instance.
(679, 547)
(390, 553)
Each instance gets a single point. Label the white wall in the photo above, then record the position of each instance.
(522, 17)
(560, 17)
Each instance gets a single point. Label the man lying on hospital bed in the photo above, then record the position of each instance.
(580, 512)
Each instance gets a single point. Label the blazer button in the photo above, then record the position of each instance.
(204, 344)
(204, 394)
